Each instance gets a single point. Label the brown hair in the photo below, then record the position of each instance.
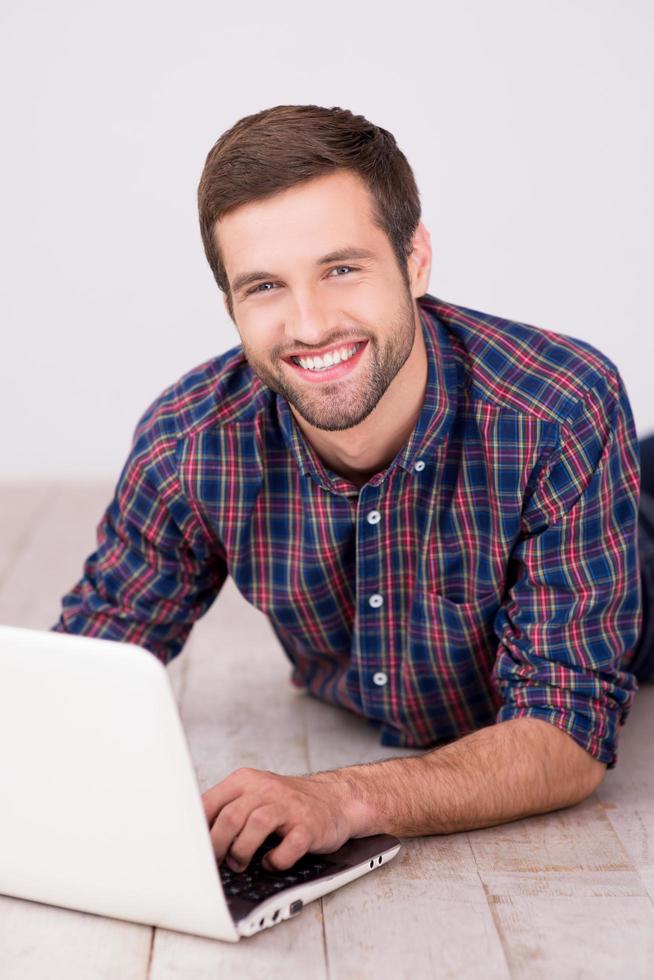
(272, 150)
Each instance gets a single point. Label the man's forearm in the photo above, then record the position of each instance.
(503, 772)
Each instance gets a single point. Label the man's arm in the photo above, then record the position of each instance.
(573, 609)
(155, 571)
(496, 774)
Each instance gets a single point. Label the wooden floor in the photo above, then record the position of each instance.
(568, 894)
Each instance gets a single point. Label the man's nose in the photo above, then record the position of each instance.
(307, 321)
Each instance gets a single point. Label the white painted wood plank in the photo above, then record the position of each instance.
(292, 949)
(578, 838)
(424, 915)
(337, 737)
(589, 937)
(52, 560)
(550, 879)
(627, 792)
(576, 885)
(22, 510)
(569, 923)
(425, 927)
(42, 941)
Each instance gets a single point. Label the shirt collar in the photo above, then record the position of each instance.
(433, 424)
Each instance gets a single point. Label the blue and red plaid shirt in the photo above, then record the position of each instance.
(489, 572)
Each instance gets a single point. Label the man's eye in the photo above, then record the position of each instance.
(259, 287)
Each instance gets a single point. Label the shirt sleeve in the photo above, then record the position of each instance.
(573, 611)
(155, 570)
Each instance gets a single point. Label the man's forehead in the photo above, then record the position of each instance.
(318, 216)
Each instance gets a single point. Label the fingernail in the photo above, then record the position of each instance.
(234, 865)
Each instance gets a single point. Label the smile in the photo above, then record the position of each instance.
(330, 366)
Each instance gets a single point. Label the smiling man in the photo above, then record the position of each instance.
(436, 508)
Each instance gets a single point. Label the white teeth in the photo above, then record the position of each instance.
(329, 360)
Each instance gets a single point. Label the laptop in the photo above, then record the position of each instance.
(101, 808)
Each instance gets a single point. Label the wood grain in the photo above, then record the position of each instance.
(42, 941)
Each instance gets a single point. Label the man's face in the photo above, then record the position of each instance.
(307, 294)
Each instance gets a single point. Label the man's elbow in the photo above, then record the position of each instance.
(583, 772)
(586, 772)
(595, 772)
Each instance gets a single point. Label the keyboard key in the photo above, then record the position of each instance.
(253, 895)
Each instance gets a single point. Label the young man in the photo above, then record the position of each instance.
(436, 508)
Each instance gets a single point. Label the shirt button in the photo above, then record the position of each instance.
(376, 600)
(419, 466)
(374, 517)
(380, 678)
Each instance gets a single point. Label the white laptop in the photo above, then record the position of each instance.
(101, 810)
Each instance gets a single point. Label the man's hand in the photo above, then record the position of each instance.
(310, 812)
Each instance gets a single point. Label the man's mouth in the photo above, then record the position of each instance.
(331, 366)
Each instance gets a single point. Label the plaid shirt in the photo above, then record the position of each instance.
(489, 572)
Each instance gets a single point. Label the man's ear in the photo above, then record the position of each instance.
(419, 261)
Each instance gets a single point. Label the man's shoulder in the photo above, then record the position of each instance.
(220, 391)
(519, 366)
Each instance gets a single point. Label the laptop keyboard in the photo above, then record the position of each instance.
(255, 883)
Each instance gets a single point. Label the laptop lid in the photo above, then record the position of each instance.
(101, 808)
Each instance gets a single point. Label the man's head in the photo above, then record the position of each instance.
(310, 219)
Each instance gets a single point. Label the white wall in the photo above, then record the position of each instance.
(528, 124)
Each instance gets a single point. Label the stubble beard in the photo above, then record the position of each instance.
(340, 405)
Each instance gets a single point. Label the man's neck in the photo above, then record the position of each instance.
(357, 454)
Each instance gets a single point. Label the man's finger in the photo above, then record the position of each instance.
(258, 825)
(227, 826)
(214, 799)
(295, 845)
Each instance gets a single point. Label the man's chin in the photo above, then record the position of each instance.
(339, 420)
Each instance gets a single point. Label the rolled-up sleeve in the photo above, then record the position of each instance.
(155, 570)
(573, 609)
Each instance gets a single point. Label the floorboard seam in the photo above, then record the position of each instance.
(490, 906)
(150, 954)
(324, 939)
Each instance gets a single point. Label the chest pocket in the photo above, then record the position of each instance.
(447, 667)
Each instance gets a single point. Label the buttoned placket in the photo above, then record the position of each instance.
(371, 603)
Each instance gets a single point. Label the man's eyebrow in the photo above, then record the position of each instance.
(340, 255)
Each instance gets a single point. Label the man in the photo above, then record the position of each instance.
(436, 508)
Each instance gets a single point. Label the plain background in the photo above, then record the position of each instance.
(528, 126)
